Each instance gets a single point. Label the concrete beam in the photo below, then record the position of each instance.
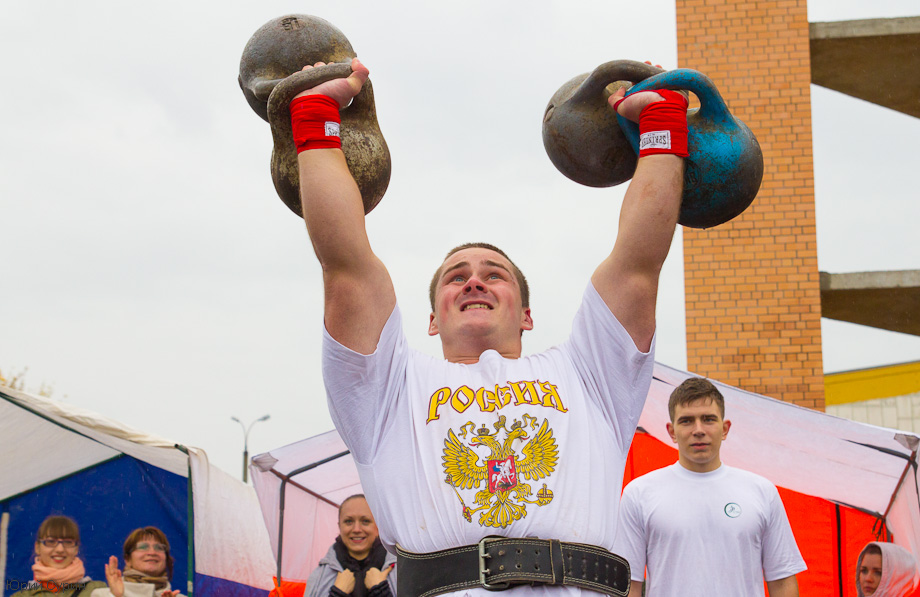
(876, 60)
(885, 300)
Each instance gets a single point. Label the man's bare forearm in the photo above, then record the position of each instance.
(333, 210)
(628, 279)
(359, 295)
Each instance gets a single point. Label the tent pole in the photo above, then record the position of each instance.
(839, 551)
(911, 463)
(305, 468)
(4, 530)
(190, 572)
(285, 479)
(304, 489)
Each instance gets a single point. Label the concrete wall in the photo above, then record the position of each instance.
(898, 412)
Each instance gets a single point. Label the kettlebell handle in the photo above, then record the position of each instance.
(286, 89)
(712, 106)
(611, 72)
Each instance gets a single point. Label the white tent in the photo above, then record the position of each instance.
(59, 459)
(843, 482)
(300, 487)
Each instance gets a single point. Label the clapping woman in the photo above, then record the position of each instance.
(148, 567)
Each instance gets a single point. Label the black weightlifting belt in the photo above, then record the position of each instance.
(499, 563)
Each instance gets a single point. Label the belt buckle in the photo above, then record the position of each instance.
(483, 571)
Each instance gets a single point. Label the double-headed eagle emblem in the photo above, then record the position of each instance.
(505, 497)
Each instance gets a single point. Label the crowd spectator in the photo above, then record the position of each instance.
(357, 565)
(58, 570)
(885, 570)
(148, 567)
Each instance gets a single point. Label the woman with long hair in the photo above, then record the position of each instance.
(58, 570)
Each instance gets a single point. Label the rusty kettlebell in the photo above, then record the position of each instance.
(725, 167)
(270, 77)
(580, 131)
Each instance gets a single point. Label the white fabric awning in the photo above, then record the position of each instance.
(798, 448)
(311, 498)
(231, 541)
(80, 438)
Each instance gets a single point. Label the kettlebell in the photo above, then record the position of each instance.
(580, 131)
(270, 76)
(725, 167)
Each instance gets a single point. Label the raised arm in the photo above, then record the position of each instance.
(627, 279)
(359, 295)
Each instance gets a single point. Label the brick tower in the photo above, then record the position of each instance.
(752, 290)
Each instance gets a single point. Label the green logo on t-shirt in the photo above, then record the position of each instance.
(732, 510)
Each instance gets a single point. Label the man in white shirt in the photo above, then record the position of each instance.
(699, 527)
(486, 442)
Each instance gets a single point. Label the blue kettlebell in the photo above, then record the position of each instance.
(725, 167)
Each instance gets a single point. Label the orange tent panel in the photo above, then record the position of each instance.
(288, 588)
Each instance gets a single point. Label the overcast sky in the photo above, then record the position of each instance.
(151, 274)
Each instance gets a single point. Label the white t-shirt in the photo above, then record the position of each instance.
(718, 533)
(532, 447)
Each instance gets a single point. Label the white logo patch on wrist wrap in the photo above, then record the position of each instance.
(655, 140)
(332, 129)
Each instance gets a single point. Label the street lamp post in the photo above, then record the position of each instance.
(246, 443)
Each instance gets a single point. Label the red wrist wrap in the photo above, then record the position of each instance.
(315, 122)
(663, 125)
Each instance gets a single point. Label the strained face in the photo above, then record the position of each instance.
(478, 294)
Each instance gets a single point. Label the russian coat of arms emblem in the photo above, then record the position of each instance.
(505, 496)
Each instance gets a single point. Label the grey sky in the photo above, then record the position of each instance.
(151, 274)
